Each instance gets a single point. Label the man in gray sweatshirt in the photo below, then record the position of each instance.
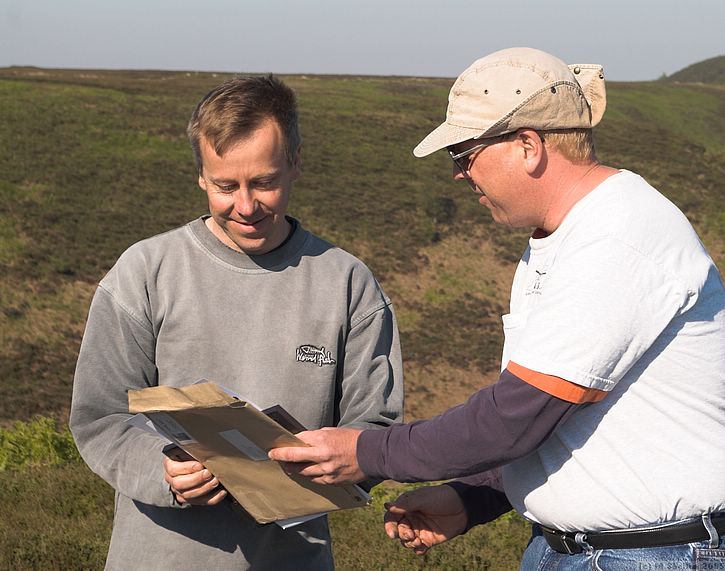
(245, 297)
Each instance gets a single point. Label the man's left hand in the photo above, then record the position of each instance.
(330, 457)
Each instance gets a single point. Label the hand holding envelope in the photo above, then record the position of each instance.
(192, 483)
(329, 458)
(232, 439)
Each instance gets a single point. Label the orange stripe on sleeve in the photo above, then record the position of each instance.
(556, 386)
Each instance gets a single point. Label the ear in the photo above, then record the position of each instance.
(202, 182)
(532, 148)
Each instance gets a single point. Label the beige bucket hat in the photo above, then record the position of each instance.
(516, 88)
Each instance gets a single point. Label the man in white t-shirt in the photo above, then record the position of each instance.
(606, 427)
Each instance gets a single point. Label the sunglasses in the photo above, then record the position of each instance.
(462, 160)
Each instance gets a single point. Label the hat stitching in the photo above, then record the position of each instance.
(564, 83)
(542, 73)
(523, 103)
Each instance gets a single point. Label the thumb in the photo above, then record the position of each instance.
(406, 502)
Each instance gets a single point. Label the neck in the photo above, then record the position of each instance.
(573, 183)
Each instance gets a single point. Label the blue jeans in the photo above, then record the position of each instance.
(686, 557)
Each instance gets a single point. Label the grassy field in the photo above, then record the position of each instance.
(93, 161)
(76, 527)
(56, 515)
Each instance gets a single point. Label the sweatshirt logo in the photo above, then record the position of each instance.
(311, 354)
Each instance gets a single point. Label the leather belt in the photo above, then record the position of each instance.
(685, 531)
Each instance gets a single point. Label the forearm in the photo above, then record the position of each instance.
(498, 424)
(116, 356)
(483, 496)
(129, 459)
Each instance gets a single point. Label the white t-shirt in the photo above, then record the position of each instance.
(622, 298)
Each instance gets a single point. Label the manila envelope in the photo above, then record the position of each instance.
(231, 438)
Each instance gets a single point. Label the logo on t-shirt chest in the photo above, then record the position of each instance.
(536, 282)
(311, 354)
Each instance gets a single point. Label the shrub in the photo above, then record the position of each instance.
(35, 443)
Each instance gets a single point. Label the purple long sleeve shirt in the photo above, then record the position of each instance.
(498, 424)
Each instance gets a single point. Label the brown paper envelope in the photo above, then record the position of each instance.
(232, 438)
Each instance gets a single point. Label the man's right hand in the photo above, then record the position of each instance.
(426, 517)
(193, 484)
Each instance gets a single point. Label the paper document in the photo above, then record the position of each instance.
(232, 439)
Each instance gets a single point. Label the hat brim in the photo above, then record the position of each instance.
(444, 136)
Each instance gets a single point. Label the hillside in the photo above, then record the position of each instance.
(91, 162)
(710, 71)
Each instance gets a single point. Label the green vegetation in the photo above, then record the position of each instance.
(36, 443)
(91, 162)
(58, 515)
(54, 518)
(708, 71)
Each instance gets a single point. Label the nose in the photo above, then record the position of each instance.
(458, 175)
(245, 203)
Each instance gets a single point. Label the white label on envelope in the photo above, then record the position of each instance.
(172, 429)
(249, 448)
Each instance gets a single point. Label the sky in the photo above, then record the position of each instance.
(635, 40)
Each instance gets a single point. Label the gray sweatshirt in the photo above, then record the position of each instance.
(305, 326)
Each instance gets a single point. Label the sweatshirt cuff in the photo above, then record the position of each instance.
(370, 445)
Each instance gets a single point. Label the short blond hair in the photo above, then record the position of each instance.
(576, 145)
(233, 110)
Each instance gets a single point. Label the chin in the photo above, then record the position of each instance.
(249, 247)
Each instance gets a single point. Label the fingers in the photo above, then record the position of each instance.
(294, 468)
(411, 536)
(322, 473)
(406, 533)
(295, 454)
(186, 475)
(211, 499)
(317, 473)
(397, 527)
(299, 454)
(174, 468)
(306, 469)
(422, 518)
(415, 543)
(317, 450)
(390, 522)
(322, 445)
(418, 547)
(192, 483)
